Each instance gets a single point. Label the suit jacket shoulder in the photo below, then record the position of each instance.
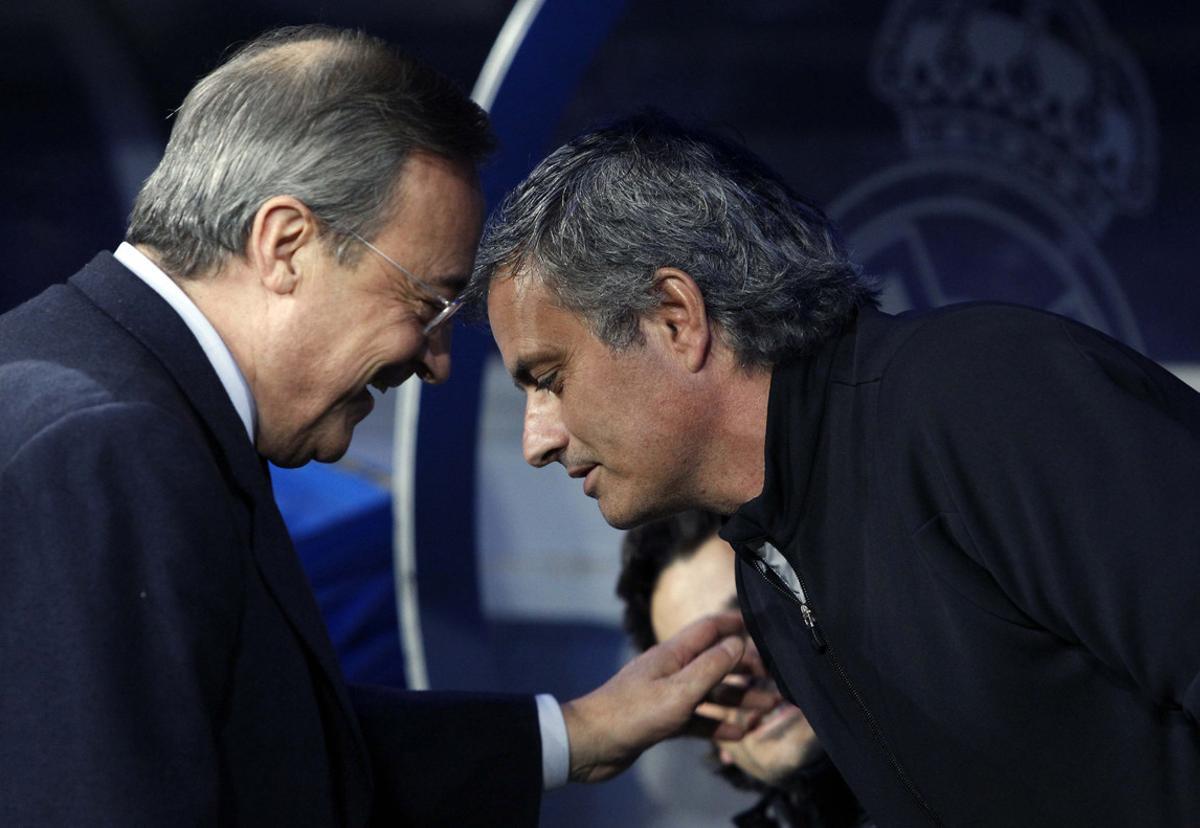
(149, 572)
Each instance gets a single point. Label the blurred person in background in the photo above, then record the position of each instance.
(678, 569)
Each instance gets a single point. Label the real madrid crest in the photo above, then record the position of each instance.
(1028, 128)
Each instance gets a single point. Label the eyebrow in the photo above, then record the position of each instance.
(455, 282)
(521, 376)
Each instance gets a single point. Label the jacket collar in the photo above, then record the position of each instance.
(795, 413)
(148, 318)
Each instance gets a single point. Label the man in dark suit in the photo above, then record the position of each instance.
(304, 238)
(966, 539)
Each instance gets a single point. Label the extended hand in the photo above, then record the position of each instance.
(654, 697)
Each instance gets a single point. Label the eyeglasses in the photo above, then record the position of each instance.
(447, 307)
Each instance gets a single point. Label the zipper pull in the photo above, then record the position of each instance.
(810, 620)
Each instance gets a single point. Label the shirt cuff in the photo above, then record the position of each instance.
(556, 752)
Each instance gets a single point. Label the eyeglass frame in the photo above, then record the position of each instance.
(449, 307)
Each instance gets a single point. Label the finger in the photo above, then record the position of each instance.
(737, 678)
(729, 622)
(740, 690)
(728, 693)
(700, 727)
(752, 662)
(740, 716)
(755, 702)
(696, 638)
(761, 698)
(693, 681)
(704, 728)
(731, 731)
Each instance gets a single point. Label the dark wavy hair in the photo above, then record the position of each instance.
(596, 219)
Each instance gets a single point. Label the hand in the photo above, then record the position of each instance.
(735, 705)
(654, 696)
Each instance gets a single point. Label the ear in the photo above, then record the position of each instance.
(681, 317)
(283, 234)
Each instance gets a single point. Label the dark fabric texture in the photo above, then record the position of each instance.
(482, 753)
(817, 797)
(992, 513)
(164, 661)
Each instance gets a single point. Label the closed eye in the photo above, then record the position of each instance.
(548, 382)
(432, 308)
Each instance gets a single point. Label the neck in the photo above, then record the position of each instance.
(731, 469)
(220, 297)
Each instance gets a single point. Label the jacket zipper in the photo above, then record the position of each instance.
(810, 619)
(821, 645)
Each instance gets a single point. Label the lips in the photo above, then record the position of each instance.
(389, 378)
(586, 472)
(782, 717)
(364, 400)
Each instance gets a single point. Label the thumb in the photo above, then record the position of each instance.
(705, 671)
(697, 637)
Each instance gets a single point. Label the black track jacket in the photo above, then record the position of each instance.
(993, 519)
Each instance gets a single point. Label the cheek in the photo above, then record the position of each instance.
(361, 357)
(398, 339)
(739, 753)
(613, 428)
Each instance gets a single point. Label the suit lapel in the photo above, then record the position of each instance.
(148, 318)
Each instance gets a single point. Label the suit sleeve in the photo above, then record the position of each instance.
(451, 759)
(119, 602)
(1074, 464)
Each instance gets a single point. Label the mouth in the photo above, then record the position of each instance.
(780, 719)
(586, 472)
(386, 380)
(362, 404)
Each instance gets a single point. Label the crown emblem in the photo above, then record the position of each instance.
(1038, 86)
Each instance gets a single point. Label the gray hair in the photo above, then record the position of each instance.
(596, 220)
(325, 115)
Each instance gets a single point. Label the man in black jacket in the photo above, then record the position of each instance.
(303, 239)
(966, 538)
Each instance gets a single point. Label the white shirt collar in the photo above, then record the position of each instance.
(214, 347)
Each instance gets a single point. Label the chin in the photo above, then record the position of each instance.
(285, 457)
(627, 516)
(329, 454)
(294, 456)
(617, 521)
(618, 517)
(287, 462)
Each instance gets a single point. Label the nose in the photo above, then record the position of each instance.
(435, 362)
(545, 436)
